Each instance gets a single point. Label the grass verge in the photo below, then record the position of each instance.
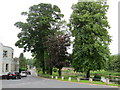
(83, 81)
(75, 80)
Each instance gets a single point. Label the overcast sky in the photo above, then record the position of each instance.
(10, 12)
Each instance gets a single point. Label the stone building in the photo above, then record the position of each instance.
(7, 62)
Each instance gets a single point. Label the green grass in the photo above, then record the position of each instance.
(74, 78)
(96, 82)
(101, 72)
(86, 81)
(106, 73)
(114, 85)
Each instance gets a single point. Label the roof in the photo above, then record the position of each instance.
(1, 43)
(6, 46)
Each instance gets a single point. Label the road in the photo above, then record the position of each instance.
(37, 82)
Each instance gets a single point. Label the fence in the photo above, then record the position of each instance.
(105, 80)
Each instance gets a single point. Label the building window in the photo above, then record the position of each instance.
(4, 53)
(6, 67)
(3, 67)
(12, 55)
(15, 67)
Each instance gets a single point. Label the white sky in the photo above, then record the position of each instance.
(10, 12)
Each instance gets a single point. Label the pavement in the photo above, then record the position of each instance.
(32, 81)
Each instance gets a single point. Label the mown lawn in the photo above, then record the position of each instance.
(87, 81)
(73, 79)
(106, 73)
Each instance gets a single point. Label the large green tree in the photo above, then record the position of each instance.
(88, 24)
(30, 62)
(114, 63)
(57, 46)
(42, 20)
(22, 62)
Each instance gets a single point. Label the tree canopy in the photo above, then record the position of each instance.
(22, 62)
(57, 50)
(88, 24)
(114, 63)
(44, 34)
(42, 20)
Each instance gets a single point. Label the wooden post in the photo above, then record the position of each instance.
(90, 80)
(107, 81)
(56, 77)
(78, 79)
(62, 77)
(69, 78)
(52, 77)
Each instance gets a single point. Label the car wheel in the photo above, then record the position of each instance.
(18, 77)
(15, 78)
(7, 78)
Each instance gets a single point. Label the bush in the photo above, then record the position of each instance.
(97, 77)
(55, 69)
(22, 69)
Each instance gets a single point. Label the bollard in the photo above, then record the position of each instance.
(52, 77)
(78, 79)
(90, 80)
(62, 78)
(56, 77)
(116, 79)
(69, 78)
(107, 81)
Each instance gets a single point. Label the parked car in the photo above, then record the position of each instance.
(13, 75)
(28, 72)
(23, 74)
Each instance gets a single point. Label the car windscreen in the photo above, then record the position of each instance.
(23, 72)
(11, 73)
(16, 72)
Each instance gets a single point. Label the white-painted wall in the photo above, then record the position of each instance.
(7, 60)
(1, 53)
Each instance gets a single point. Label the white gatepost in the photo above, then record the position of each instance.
(90, 80)
(69, 78)
(52, 77)
(62, 78)
(107, 81)
(56, 77)
(78, 79)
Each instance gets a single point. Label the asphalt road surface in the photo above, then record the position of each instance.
(36, 82)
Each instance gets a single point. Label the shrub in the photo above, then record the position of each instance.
(55, 69)
(22, 69)
(97, 77)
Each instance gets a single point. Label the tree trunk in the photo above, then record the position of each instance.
(51, 66)
(47, 70)
(88, 74)
(43, 63)
(59, 72)
(38, 72)
(50, 70)
(43, 67)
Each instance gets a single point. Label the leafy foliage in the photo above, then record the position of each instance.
(42, 20)
(114, 63)
(57, 50)
(30, 62)
(22, 62)
(88, 24)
